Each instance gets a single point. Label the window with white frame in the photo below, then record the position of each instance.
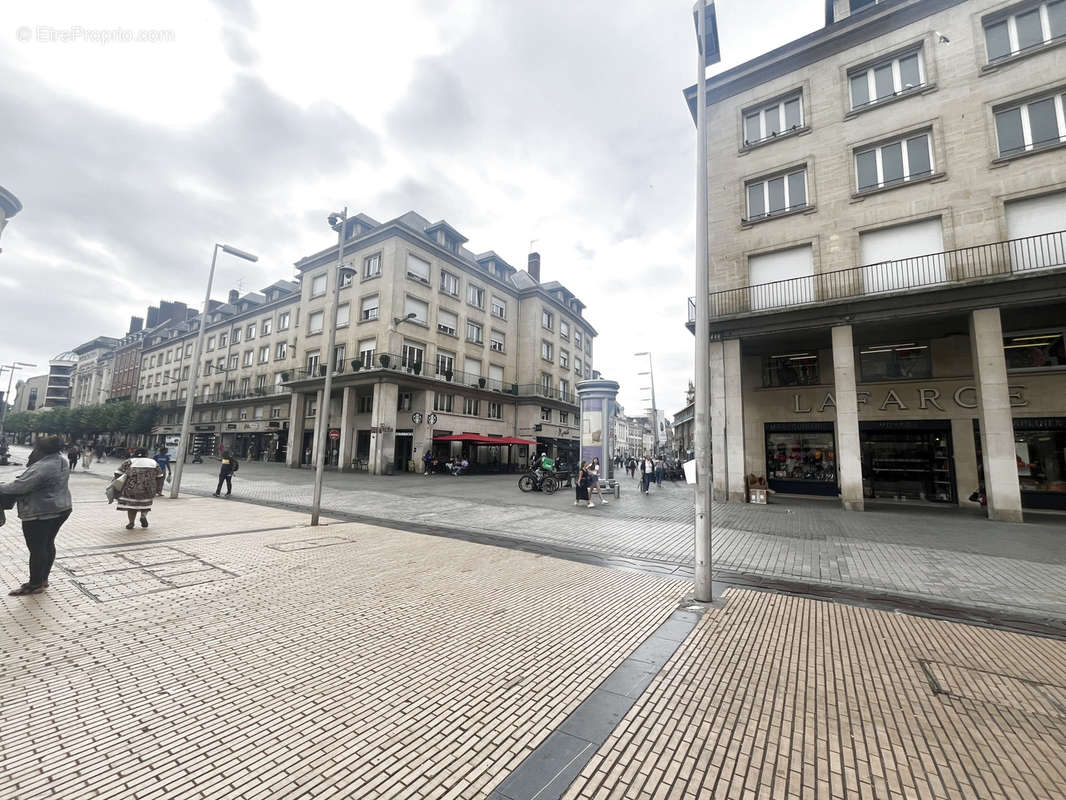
(344, 312)
(886, 79)
(564, 358)
(275, 412)
(564, 418)
(188, 349)
(223, 339)
(546, 384)
(417, 268)
(318, 285)
(577, 339)
(372, 266)
(210, 343)
(588, 346)
(497, 340)
(447, 321)
(564, 329)
(265, 326)
(1031, 125)
(236, 335)
(412, 353)
(499, 307)
(245, 385)
(340, 352)
(471, 406)
(545, 414)
(495, 376)
(283, 320)
(250, 332)
(220, 365)
(773, 119)
(547, 319)
(445, 362)
(234, 361)
(264, 354)
(311, 362)
(474, 332)
(472, 368)
(546, 350)
(475, 295)
(368, 308)
(365, 404)
(249, 356)
(905, 159)
(443, 402)
(449, 283)
(420, 309)
(403, 401)
(1025, 30)
(778, 194)
(281, 351)
(315, 321)
(366, 352)
(494, 411)
(564, 389)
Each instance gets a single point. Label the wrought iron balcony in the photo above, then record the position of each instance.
(1014, 257)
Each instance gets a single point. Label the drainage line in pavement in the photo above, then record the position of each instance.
(547, 772)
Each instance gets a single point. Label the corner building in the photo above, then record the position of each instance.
(887, 204)
(437, 348)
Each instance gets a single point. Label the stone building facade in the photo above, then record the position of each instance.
(91, 382)
(438, 348)
(886, 212)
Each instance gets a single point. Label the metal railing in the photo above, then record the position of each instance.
(218, 397)
(997, 259)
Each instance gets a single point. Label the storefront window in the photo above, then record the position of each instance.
(795, 456)
(791, 369)
(1035, 350)
(892, 361)
(1041, 459)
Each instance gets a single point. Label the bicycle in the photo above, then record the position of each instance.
(531, 483)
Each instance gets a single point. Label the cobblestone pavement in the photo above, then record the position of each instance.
(783, 697)
(935, 556)
(347, 661)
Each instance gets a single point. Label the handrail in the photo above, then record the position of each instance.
(966, 264)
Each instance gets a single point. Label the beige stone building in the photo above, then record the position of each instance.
(241, 405)
(91, 381)
(437, 348)
(886, 213)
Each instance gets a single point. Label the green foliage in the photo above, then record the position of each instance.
(126, 417)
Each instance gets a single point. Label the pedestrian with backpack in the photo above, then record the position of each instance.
(228, 466)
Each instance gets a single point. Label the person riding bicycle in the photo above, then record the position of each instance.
(544, 465)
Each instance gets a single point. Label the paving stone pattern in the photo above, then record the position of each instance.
(390, 666)
(784, 697)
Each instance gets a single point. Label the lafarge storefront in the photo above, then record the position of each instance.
(919, 436)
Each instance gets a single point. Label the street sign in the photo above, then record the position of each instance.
(334, 434)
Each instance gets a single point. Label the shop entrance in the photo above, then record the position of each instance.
(405, 442)
(908, 460)
(801, 458)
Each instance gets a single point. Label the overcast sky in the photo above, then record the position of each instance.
(514, 120)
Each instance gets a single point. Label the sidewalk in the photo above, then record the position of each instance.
(229, 651)
(937, 558)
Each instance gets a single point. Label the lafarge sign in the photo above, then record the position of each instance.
(908, 398)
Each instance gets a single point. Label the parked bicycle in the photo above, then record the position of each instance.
(532, 482)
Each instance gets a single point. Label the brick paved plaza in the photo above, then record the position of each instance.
(231, 651)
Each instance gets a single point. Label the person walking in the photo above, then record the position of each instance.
(138, 491)
(99, 452)
(647, 469)
(581, 485)
(73, 453)
(86, 458)
(226, 469)
(428, 459)
(659, 472)
(594, 481)
(43, 506)
(162, 458)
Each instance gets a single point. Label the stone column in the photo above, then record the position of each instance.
(383, 427)
(997, 423)
(719, 465)
(347, 426)
(734, 421)
(965, 457)
(297, 410)
(849, 455)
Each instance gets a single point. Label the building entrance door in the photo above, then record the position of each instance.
(405, 441)
(908, 461)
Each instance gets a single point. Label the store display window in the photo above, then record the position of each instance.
(895, 361)
(1035, 350)
(1041, 458)
(801, 456)
(791, 369)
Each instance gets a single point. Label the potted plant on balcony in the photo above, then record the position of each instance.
(481, 382)
(356, 365)
(448, 375)
(384, 361)
(285, 377)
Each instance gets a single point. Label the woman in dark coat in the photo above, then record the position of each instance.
(581, 485)
(44, 505)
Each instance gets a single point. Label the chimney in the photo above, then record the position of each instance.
(234, 296)
(136, 324)
(534, 266)
(153, 317)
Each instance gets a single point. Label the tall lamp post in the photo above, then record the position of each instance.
(11, 368)
(337, 222)
(707, 40)
(194, 367)
(654, 411)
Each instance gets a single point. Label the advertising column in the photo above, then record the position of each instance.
(598, 400)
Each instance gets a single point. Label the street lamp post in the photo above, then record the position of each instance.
(708, 53)
(11, 368)
(194, 367)
(337, 221)
(654, 411)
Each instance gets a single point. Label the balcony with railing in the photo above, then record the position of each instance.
(1030, 255)
(390, 363)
